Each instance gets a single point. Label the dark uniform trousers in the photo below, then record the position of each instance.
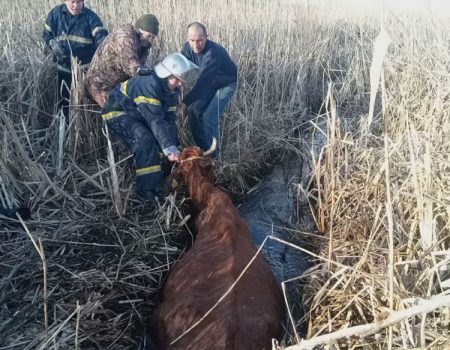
(64, 84)
(131, 128)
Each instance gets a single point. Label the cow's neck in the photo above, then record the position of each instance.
(199, 187)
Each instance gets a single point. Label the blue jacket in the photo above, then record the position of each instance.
(217, 71)
(78, 35)
(156, 104)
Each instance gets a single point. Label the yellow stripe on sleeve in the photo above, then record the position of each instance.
(150, 100)
(97, 29)
(123, 87)
(78, 39)
(113, 114)
(148, 170)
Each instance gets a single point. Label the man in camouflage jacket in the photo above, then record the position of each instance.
(122, 55)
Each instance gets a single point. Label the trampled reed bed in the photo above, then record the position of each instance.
(380, 195)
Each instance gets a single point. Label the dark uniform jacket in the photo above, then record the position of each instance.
(116, 60)
(217, 71)
(156, 104)
(78, 35)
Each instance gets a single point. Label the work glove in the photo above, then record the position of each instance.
(57, 50)
(144, 70)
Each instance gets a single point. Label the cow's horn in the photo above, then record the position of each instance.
(212, 148)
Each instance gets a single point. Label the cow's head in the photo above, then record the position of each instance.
(193, 157)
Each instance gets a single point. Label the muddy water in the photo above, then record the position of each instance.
(270, 210)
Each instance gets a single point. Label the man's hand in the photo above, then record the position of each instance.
(174, 157)
(57, 50)
(144, 70)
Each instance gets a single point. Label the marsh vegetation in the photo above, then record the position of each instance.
(378, 186)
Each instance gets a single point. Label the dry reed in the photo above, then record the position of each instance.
(382, 206)
(379, 188)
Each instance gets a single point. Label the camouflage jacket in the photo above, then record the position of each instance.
(116, 60)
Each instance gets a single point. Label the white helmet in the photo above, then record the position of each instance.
(178, 65)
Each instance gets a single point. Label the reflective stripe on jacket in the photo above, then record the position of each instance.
(78, 35)
(151, 97)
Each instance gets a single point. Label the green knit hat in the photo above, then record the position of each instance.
(149, 23)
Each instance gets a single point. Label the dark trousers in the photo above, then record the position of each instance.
(64, 83)
(205, 116)
(134, 132)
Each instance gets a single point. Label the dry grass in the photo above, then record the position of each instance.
(85, 270)
(383, 202)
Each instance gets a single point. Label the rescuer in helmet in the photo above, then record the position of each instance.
(141, 112)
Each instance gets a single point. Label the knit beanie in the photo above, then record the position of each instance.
(148, 23)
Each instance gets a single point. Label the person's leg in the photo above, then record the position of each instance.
(212, 114)
(141, 142)
(64, 83)
(149, 179)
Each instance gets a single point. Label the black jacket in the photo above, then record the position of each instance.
(217, 71)
(78, 35)
(156, 104)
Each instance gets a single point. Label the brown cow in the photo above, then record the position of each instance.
(252, 313)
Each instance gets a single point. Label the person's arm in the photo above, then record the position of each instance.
(49, 24)
(48, 35)
(129, 45)
(203, 84)
(171, 118)
(98, 32)
(164, 132)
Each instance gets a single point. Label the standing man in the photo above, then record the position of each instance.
(71, 29)
(214, 87)
(122, 55)
(141, 112)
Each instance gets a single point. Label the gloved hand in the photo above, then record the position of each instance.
(144, 70)
(57, 50)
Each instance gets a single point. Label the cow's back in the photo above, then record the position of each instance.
(248, 317)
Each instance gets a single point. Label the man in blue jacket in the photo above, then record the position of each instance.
(71, 29)
(141, 113)
(214, 87)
